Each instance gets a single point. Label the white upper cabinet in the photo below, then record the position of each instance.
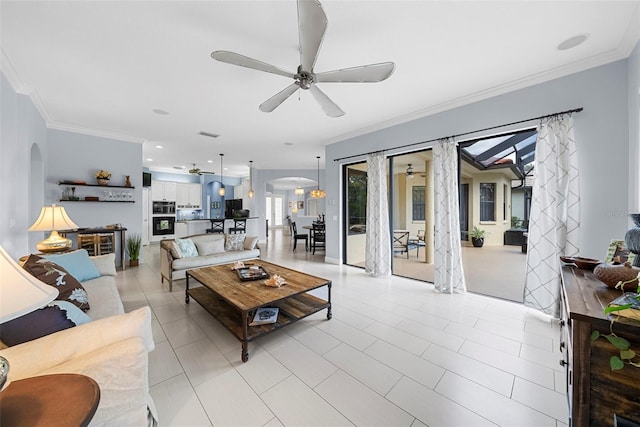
(163, 191)
(189, 195)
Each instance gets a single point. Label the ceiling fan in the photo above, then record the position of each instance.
(312, 23)
(197, 171)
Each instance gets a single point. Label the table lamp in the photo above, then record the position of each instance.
(53, 218)
(20, 293)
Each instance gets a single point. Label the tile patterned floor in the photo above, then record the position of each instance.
(396, 353)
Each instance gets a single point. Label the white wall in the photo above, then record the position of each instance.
(22, 130)
(634, 130)
(602, 132)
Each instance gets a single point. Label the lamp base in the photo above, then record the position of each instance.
(54, 243)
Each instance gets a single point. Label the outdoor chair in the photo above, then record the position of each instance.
(401, 242)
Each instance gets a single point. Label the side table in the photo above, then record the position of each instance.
(47, 400)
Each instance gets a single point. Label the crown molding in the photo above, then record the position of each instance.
(95, 132)
(622, 52)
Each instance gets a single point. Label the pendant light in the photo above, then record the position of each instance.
(251, 193)
(299, 191)
(318, 193)
(221, 190)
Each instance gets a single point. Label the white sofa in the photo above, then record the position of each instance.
(173, 265)
(112, 349)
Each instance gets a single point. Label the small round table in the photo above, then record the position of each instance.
(47, 400)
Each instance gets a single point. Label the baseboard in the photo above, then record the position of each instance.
(330, 260)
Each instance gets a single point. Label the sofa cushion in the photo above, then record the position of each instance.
(47, 271)
(187, 247)
(173, 248)
(77, 263)
(250, 242)
(55, 317)
(105, 291)
(234, 242)
(214, 259)
(208, 247)
(106, 264)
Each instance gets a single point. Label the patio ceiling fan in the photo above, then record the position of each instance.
(312, 23)
(197, 171)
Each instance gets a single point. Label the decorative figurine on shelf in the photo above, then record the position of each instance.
(127, 181)
(103, 177)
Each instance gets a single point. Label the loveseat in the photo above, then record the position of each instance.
(112, 348)
(204, 250)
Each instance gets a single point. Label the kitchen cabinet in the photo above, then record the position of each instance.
(188, 196)
(163, 191)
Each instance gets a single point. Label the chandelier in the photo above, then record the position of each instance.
(318, 193)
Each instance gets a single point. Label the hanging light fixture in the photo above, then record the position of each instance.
(299, 191)
(251, 193)
(318, 193)
(221, 190)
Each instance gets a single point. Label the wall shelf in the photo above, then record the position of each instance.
(73, 184)
(97, 201)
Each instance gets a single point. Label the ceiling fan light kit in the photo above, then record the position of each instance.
(312, 24)
(410, 172)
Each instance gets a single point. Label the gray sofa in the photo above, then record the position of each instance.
(213, 249)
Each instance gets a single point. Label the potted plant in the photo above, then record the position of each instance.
(477, 236)
(134, 244)
(103, 177)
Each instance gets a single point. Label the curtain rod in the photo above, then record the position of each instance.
(575, 110)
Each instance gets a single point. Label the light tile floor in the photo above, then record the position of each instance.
(395, 353)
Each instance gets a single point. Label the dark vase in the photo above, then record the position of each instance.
(477, 242)
(632, 239)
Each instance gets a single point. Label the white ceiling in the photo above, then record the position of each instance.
(102, 67)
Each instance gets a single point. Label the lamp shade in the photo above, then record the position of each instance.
(20, 292)
(53, 218)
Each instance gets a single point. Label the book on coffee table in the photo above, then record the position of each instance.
(265, 315)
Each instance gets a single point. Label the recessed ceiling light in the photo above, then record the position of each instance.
(160, 111)
(149, 160)
(209, 161)
(159, 146)
(573, 42)
(209, 134)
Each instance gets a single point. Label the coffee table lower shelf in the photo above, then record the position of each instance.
(292, 309)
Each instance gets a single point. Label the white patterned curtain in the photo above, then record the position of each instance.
(449, 274)
(555, 213)
(378, 240)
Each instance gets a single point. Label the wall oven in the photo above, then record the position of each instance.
(164, 208)
(163, 225)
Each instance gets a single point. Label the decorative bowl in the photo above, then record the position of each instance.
(580, 262)
(610, 274)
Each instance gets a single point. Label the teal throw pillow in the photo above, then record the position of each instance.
(77, 263)
(187, 247)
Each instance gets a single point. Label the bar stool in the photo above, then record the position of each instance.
(217, 225)
(239, 226)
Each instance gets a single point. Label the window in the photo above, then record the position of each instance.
(417, 202)
(487, 201)
(357, 201)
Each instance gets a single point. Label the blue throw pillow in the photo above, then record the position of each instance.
(187, 247)
(77, 263)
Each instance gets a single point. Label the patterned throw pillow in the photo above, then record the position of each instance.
(234, 242)
(187, 247)
(69, 289)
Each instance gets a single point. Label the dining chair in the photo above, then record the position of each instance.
(318, 237)
(217, 225)
(301, 236)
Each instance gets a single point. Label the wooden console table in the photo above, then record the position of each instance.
(595, 393)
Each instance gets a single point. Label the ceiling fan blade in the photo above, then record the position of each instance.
(244, 61)
(328, 106)
(272, 103)
(363, 74)
(312, 23)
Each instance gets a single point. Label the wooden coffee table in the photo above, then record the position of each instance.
(233, 302)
